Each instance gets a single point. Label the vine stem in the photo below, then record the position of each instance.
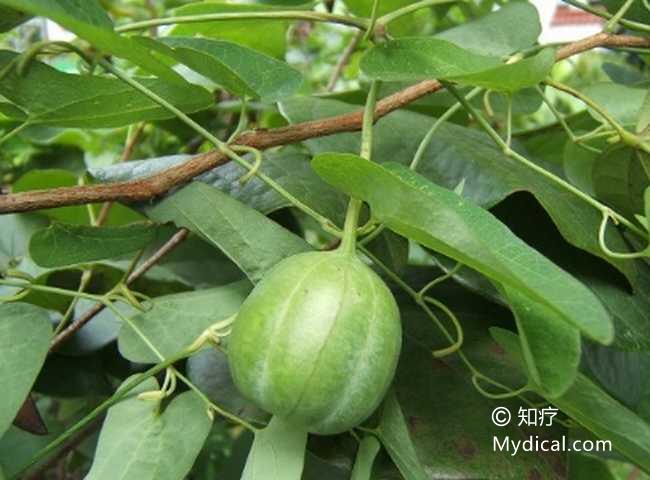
(416, 298)
(632, 25)
(413, 7)
(343, 60)
(357, 22)
(349, 240)
(613, 22)
(533, 166)
(626, 136)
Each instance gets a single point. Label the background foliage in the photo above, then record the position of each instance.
(509, 207)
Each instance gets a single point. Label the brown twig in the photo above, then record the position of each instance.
(345, 58)
(169, 245)
(150, 187)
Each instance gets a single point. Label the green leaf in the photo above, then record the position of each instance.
(422, 58)
(368, 450)
(550, 346)
(174, 321)
(439, 219)
(643, 122)
(137, 442)
(25, 334)
(278, 453)
(411, 59)
(247, 237)
(240, 70)
(394, 435)
(10, 18)
(498, 33)
(91, 101)
(90, 21)
(598, 412)
(61, 244)
(269, 35)
(583, 466)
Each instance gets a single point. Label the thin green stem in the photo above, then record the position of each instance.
(415, 296)
(83, 283)
(349, 240)
(533, 166)
(613, 22)
(400, 12)
(14, 131)
(54, 290)
(373, 20)
(360, 23)
(565, 126)
(623, 256)
(626, 136)
(424, 144)
(221, 146)
(641, 27)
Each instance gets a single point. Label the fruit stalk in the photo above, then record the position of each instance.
(349, 241)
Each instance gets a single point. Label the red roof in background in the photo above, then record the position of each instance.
(567, 16)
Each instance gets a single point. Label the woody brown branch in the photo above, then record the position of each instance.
(158, 184)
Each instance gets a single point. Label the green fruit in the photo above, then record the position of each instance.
(317, 341)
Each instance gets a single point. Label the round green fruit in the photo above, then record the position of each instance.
(317, 341)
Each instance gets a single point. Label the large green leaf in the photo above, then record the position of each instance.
(269, 35)
(462, 154)
(61, 245)
(411, 59)
(25, 334)
(90, 101)
(598, 412)
(138, 442)
(498, 33)
(278, 453)
(89, 21)
(247, 237)
(174, 321)
(438, 218)
(240, 70)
